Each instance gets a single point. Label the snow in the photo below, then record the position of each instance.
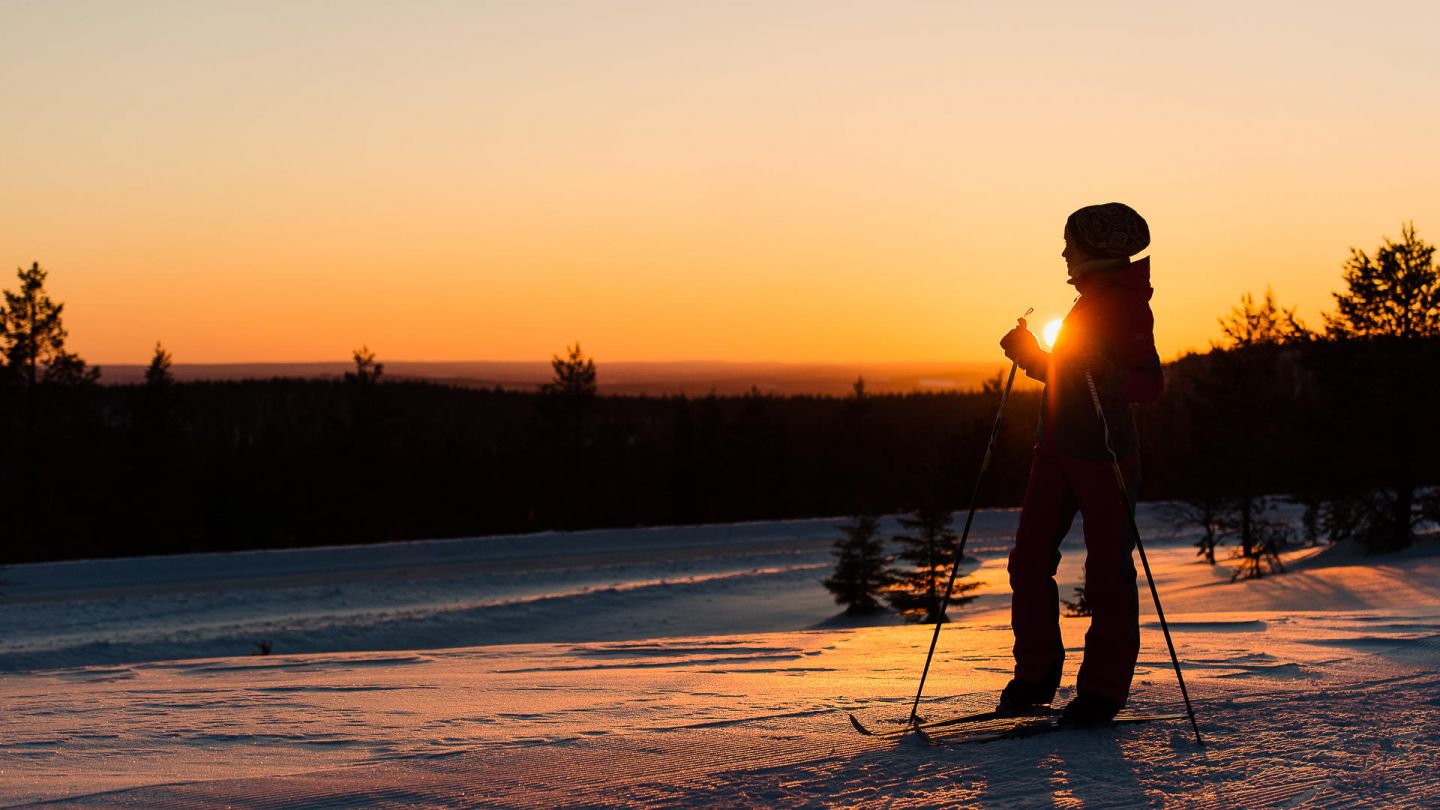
(685, 666)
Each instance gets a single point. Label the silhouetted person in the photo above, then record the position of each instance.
(1110, 333)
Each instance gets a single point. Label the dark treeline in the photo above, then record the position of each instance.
(1342, 421)
(143, 469)
(173, 467)
(1345, 428)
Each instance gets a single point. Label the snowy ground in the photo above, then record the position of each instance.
(696, 666)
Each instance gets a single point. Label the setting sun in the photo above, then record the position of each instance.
(1052, 331)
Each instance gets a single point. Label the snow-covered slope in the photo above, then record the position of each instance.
(726, 685)
(583, 586)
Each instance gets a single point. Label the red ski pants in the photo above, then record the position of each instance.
(1059, 487)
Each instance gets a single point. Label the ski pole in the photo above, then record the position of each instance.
(1139, 546)
(965, 535)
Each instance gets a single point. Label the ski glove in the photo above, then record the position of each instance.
(1021, 346)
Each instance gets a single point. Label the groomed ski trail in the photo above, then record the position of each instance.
(1355, 720)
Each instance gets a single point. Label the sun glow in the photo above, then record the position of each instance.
(1052, 331)
(611, 173)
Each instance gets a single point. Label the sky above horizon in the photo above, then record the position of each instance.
(748, 181)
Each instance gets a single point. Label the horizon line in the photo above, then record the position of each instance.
(346, 362)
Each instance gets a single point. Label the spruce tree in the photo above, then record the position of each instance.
(158, 375)
(158, 399)
(862, 571)
(575, 376)
(930, 547)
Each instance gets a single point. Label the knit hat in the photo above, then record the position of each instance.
(1108, 231)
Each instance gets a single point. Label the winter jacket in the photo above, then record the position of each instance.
(1112, 327)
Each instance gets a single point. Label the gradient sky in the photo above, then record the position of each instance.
(795, 181)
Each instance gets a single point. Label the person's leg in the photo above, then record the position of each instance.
(1112, 643)
(1035, 602)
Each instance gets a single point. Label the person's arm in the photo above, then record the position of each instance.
(1137, 374)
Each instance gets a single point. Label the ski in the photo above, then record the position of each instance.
(978, 717)
(1032, 727)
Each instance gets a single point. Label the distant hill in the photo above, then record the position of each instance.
(693, 378)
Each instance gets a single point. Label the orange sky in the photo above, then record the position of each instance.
(801, 181)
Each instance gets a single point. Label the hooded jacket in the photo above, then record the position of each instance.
(1111, 327)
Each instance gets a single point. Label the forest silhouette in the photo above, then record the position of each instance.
(1341, 420)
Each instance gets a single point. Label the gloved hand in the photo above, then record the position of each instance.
(1021, 346)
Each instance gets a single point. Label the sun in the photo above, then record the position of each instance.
(1052, 331)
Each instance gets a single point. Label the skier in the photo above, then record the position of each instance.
(1109, 333)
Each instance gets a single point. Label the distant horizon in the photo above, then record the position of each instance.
(617, 377)
(598, 362)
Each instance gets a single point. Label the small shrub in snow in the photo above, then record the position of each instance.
(1078, 607)
(862, 569)
(1202, 513)
(930, 548)
(1261, 538)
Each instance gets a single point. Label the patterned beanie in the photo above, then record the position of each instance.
(1108, 231)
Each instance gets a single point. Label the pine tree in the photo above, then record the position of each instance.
(566, 404)
(1390, 311)
(930, 547)
(158, 374)
(1395, 294)
(32, 336)
(158, 400)
(862, 571)
(367, 371)
(1251, 324)
(1228, 425)
(575, 376)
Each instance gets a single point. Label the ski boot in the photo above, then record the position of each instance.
(1088, 710)
(1023, 697)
